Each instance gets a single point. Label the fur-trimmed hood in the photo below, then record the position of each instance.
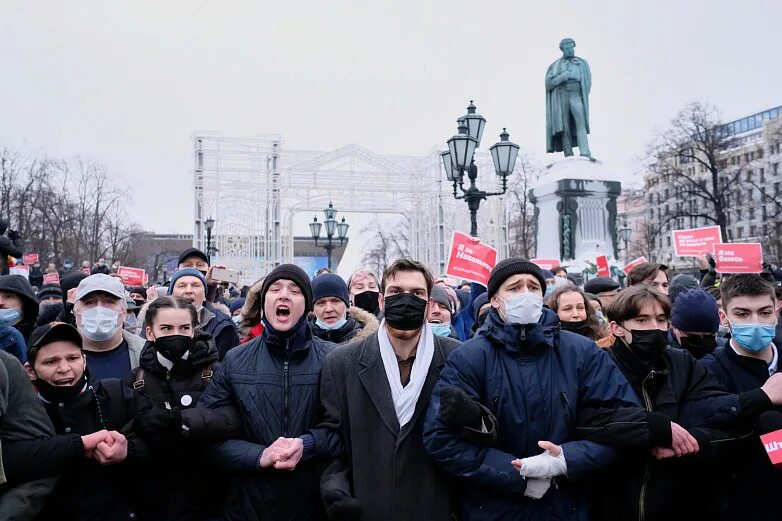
(369, 321)
(251, 311)
(361, 324)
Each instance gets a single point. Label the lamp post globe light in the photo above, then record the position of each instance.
(208, 225)
(625, 233)
(459, 158)
(332, 227)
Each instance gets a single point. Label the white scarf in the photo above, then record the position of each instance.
(405, 398)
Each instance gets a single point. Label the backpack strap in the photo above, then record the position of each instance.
(139, 383)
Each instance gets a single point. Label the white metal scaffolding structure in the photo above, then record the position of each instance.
(253, 188)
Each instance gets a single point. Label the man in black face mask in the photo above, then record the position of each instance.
(695, 321)
(363, 290)
(375, 392)
(671, 382)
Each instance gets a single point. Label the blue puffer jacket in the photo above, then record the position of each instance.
(273, 381)
(533, 378)
(12, 341)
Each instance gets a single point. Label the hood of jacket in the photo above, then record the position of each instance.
(521, 339)
(202, 353)
(19, 285)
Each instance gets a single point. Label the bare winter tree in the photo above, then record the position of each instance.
(388, 245)
(521, 218)
(65, 209)
(689, 156)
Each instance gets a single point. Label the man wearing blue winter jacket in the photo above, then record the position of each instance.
(535, 379)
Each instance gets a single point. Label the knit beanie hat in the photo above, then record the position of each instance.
(330, 285)
(49, 291)
(679, 284)
(185, 272)
(695, 311)
(236, 304)
(478, 303)
(289, 272)
(441, 297)
(513, 266)
(547, 274)
(69, 281)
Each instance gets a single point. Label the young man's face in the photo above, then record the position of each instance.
(412, 282)
(515, 285)
(651, 316)
(59, 363)
(750, 310)
(658, 282)
(10, 301)
(284, 305)
(362, 282)
(330, 309)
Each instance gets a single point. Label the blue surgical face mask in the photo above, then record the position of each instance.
(10, 317)
(336, 325)
(599, 315)
(753, 337)
(236, 319)
(549, 290)
(440, 329)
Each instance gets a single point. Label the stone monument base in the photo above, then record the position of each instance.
(575, 210)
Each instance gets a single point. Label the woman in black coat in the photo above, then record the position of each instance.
(176, 365)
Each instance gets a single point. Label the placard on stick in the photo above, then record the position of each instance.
(738, 257)
(470, 260)
(696, 241)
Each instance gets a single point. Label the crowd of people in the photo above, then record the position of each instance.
(395, 397)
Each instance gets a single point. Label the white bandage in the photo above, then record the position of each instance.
(537, 487)
(544, 465)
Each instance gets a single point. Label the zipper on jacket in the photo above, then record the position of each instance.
(645, 483)
(285, 389)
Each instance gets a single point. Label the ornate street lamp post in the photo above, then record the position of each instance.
(624, 234)
(208, 225)
(332, 226)
(460, 158)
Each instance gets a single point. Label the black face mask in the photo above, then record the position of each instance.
(140, 303)
(699, 346)
(367, 301)
(580, 327)
(58, 393)
(405, 312)
(648, 344)
(173, 347)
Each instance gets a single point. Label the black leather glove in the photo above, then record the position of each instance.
(341, 507)
(458, 409)
(150, 423)
(13, 235)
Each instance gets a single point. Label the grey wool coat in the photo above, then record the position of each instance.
(384, 467)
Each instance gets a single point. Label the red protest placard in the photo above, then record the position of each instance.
(602, 266)
(695, 242)
(51, 278)
(632, 264)
(470, 260)
(24, 271)
(30, 258)
(772, 442)
(546, 264)
(131, 276)
(738, 257)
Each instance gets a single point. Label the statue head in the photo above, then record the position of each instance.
(568, 46)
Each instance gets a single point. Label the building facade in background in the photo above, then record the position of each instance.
(749, 182)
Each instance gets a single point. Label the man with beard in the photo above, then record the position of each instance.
(375, 392)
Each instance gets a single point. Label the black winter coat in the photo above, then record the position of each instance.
(177, 484)
(19, 285)
(744, 481)
(273, 381)
(86, 490)
(385, 467)
(641, 487)
(9, 248)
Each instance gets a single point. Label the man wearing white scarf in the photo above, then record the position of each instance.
(374, 392)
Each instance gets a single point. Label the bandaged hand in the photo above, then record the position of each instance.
(548, 464)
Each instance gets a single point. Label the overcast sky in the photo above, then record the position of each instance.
(126, 83)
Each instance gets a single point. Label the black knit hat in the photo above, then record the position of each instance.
(513, 266)
(289, 272)
(330, 285)
(49, 291)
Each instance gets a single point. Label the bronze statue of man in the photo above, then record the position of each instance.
(568, 82)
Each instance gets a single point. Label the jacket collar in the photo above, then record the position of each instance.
(752, 365)
(527, 339)
(288, 343)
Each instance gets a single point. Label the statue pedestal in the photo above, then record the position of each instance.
(575, 210)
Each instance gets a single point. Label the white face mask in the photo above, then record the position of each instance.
(99, 323)
(524, 308)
